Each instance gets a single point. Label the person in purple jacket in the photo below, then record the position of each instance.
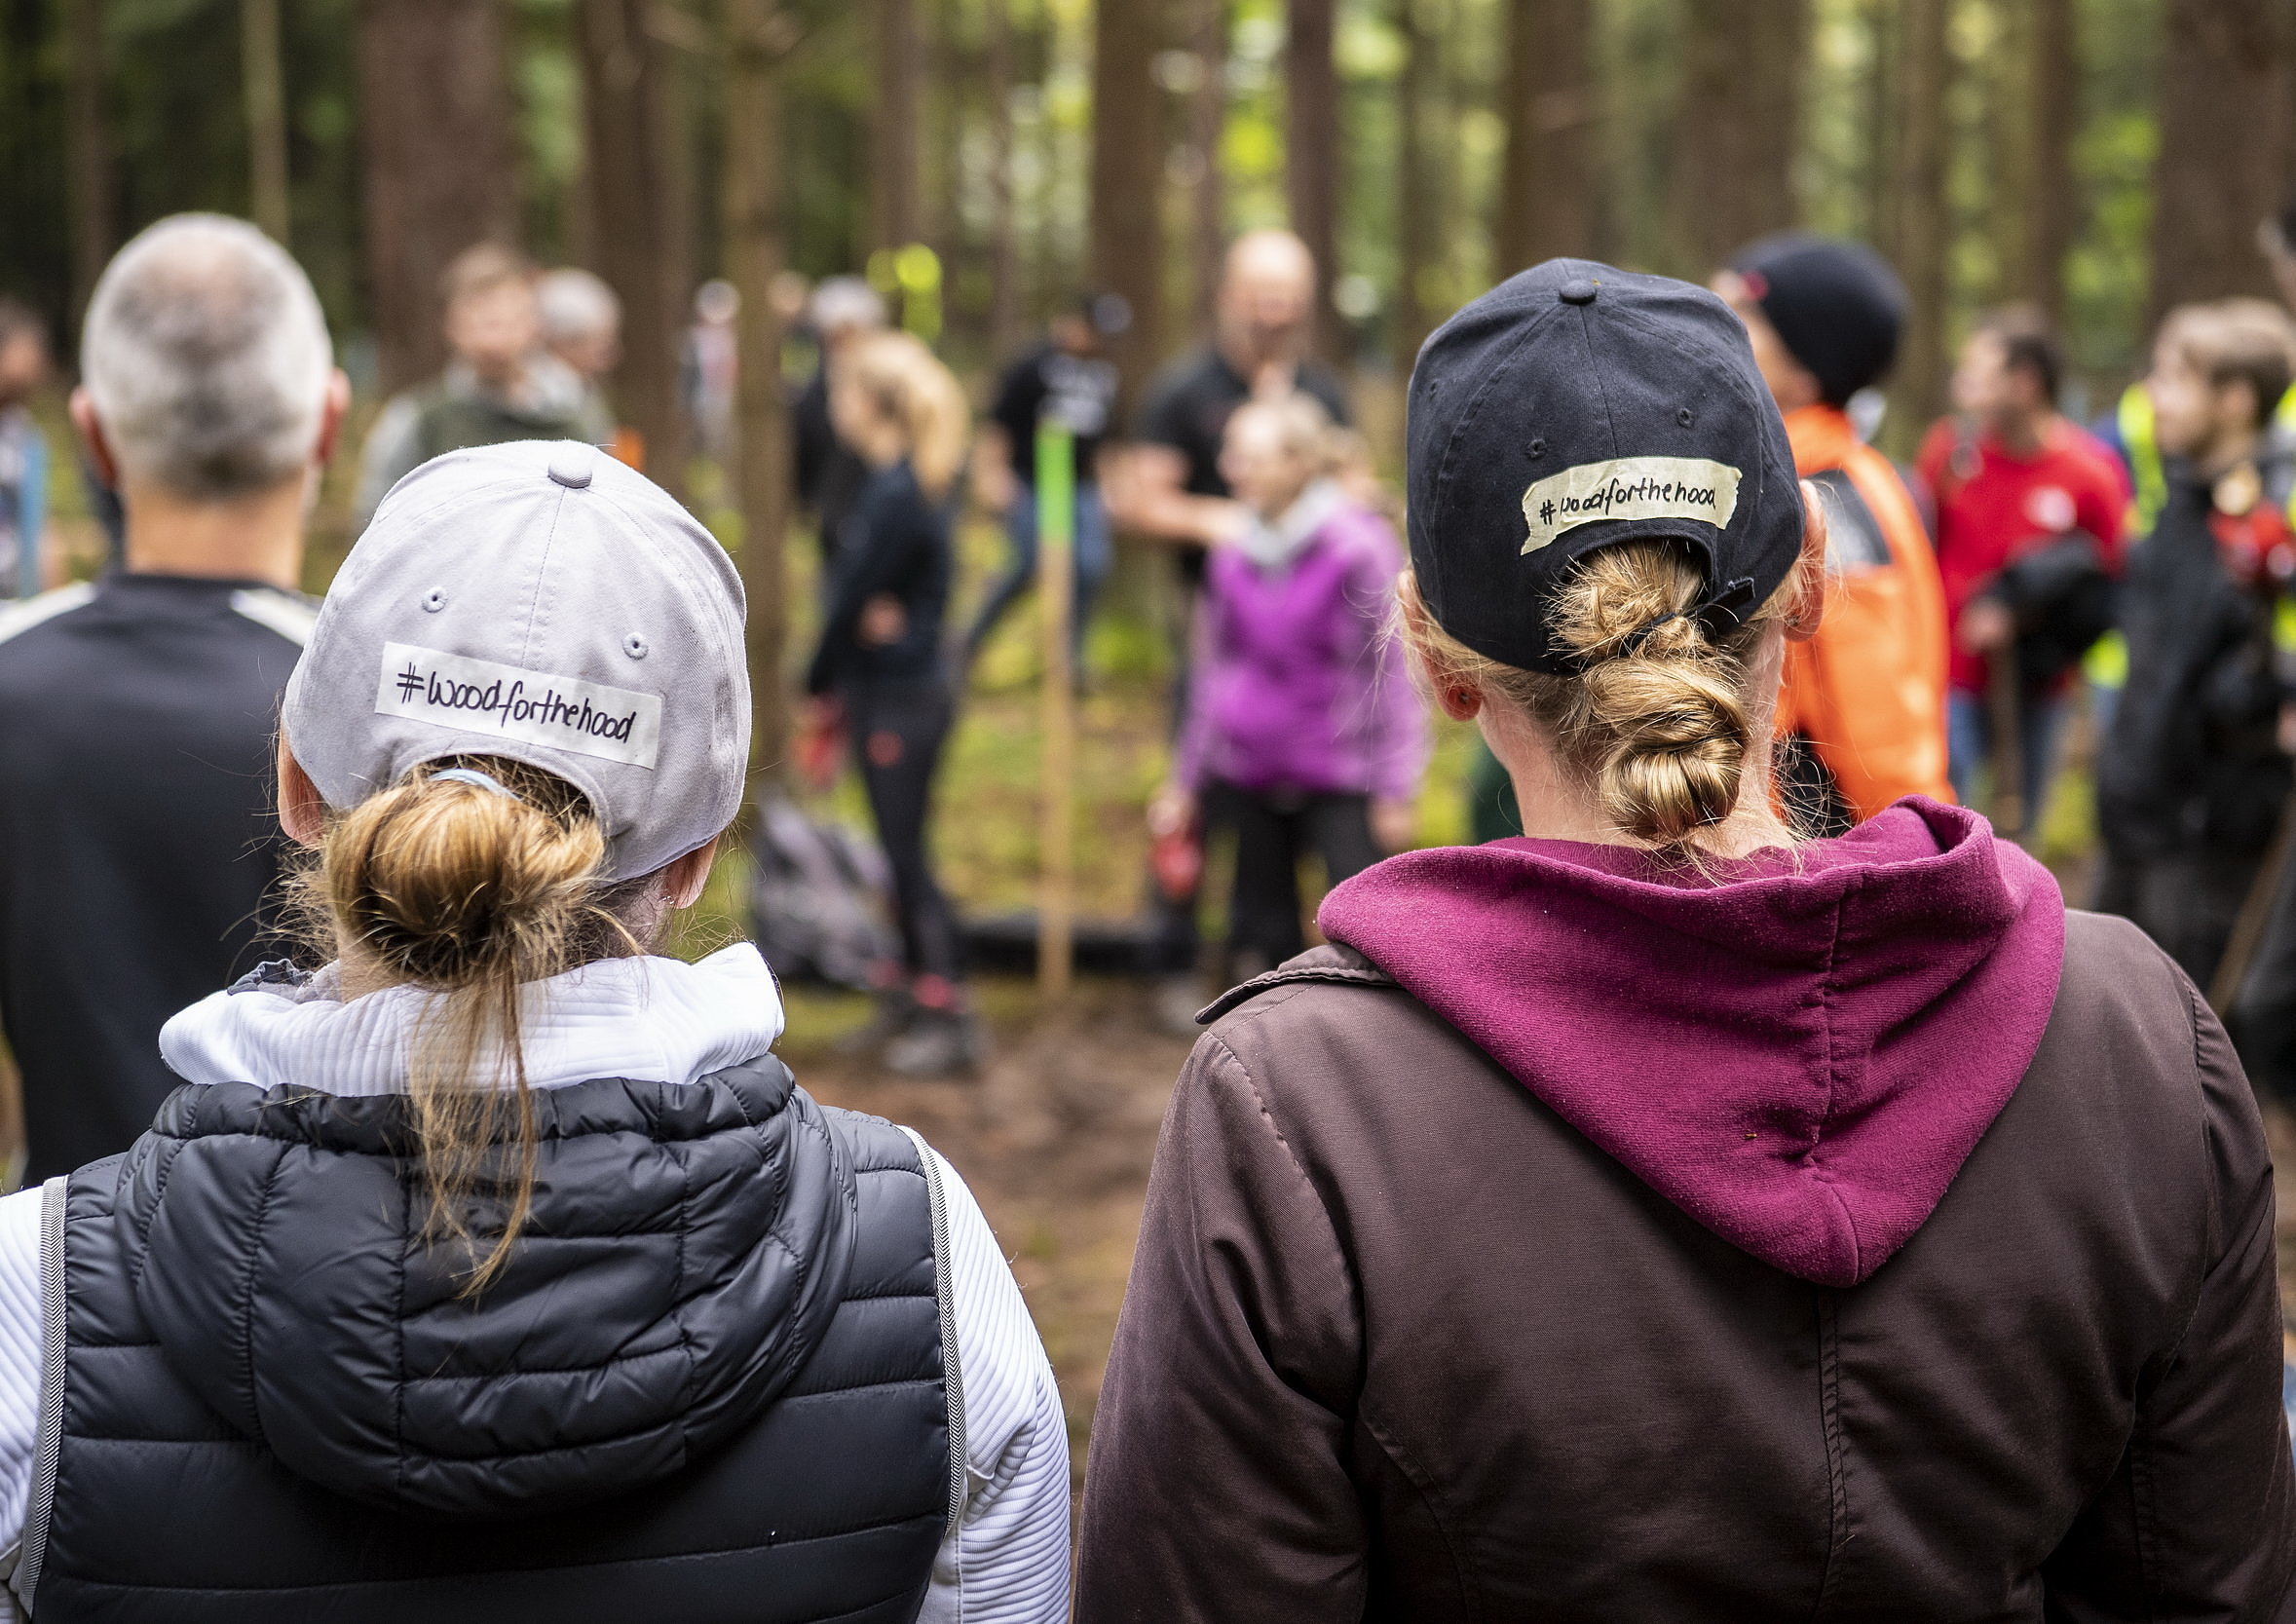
(1302, 731)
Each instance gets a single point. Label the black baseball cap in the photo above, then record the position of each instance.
(1837, 306)
(1576, 406)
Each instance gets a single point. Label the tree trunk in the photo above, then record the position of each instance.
(1547, 184)
(1736, 129)
(88, 125)
(758, 35)
(895, 214)
(1919, 237)
(1126, 249)
(2223, 109)
(266, 116)
(1880, 200)
(434, 118)
(642, 240)
(1207, 131)
(1419, 226)
(2052, 204)
(1005, 256)
(1311, 157)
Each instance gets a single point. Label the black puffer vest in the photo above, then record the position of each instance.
(709, 1384)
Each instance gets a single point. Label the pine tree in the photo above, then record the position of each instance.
(435, 121)
(2224, 93)
(1547, 186)
(1125, 255)
(641, 202)
(1737, 126)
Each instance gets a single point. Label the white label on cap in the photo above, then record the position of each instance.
(1630, 488)
(477, 696)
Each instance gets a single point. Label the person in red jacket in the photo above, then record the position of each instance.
(1864, 709)
(2030, 515)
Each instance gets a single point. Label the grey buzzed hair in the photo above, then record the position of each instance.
(207, 359)
(846, 302)
(575, 304)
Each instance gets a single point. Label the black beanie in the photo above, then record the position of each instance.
(1837, 306)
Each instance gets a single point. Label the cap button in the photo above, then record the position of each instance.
(1578, 290)
(570, 465)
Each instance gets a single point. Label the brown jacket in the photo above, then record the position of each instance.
(1402, 1343)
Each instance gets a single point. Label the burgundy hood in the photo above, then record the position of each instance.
(1800, 1057)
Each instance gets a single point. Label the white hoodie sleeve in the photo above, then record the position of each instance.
(21, 1323)
(1007, 1560)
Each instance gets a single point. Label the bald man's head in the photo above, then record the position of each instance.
(1266, 296)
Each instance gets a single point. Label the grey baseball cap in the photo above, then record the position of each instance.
(543, 603)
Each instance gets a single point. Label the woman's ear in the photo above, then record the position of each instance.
(1461, 702)
(1806, 609)
(302, 811)
(1459, 699)
(683, 880)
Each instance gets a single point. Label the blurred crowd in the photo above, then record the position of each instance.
(2028, 587)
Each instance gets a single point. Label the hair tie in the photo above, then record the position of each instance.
(1632, 643)
(1718, 617)
(483, 780)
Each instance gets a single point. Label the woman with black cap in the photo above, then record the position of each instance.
(497, 1270)
(1660, 1217)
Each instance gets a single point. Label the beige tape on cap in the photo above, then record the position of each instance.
(1630, 488)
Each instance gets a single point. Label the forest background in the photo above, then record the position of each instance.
(984, 160)
(2101, 157)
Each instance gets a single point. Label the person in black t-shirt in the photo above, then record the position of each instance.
(1172, 489)
(1064, 382)
(136, 715)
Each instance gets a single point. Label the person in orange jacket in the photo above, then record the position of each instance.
(1863, 711)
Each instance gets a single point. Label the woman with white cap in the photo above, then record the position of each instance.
(498, 1271)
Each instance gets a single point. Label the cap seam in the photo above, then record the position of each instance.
(1722, 367)
(1594, 371)
(692, 583)
(1472, 408)
(541, 573)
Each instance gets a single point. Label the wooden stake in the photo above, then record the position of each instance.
(2013, 797)
(2256, 911)
(1056, 510)
(759, 35)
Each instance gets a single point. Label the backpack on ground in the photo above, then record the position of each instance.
(816, 900)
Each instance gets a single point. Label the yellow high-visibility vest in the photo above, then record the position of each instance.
(2142, 448)
(2106, 665)
(2148, 470)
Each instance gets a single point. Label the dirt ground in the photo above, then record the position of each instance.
(1054, 1138)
